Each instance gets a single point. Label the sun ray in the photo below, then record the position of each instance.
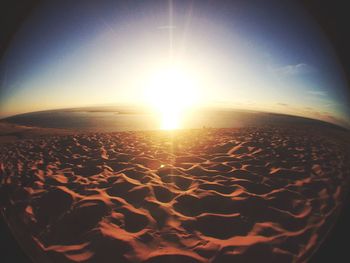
(171, 27)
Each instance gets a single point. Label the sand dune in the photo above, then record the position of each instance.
(10, 133)
(210, 195)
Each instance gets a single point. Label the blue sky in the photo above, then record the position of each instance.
(264, 55)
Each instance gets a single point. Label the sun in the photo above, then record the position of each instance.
(171, 92)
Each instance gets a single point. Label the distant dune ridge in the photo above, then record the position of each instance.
(111, 119)
(202, 195)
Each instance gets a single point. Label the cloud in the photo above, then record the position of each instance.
(282, 104)
(309, 108)
(317, 92)
(326, 116)
(167, 27)
(292, 70)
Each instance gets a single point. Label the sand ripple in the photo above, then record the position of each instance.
(212, 195)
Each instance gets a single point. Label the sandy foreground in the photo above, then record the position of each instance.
(211, 195)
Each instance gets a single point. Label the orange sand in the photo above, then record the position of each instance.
(211, 195)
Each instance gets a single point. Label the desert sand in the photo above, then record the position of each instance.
(10, 132)
(266, 194)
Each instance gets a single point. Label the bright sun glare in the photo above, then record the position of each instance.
(172, 91)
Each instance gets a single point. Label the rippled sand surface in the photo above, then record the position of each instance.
(208, 195)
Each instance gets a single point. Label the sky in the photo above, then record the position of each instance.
(259, 55)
